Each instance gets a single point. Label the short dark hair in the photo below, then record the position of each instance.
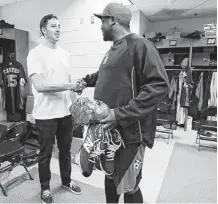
(124, 25)
(45, 20)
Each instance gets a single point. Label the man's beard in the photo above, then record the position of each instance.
(107, 35)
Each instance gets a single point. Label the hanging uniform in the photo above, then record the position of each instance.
(213, 91)
(172, 93)
(199, 92)
(180, 116)
(14, 80)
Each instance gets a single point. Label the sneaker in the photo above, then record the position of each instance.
(46, 196)
(91, 148)
(72, 187)
(107, 159)
(97, 164)
(85, 163)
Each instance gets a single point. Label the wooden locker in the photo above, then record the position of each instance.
(22, 49)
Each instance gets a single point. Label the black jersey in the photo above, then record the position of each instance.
(14, 78)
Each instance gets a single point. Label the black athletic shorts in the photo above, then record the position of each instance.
(128, 167)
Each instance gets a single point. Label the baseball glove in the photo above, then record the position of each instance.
(86, 111)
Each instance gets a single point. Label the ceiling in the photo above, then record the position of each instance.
(162, 10)
(6, 2)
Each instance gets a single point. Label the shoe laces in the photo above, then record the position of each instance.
(111, 146)
(88, 143)
(46, 193)
(73, 185)
(105, 137)
(97, 151)
(94, 147)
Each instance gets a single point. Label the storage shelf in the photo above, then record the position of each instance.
(184, 43)
(204, 66)
(179, 66)
(194, 70)
(173, 66)
(195, 49)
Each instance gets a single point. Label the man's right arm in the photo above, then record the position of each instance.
(41, 85)
(39, 79)
(91, 79)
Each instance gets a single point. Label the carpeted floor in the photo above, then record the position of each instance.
(28, 191)
(191, 176)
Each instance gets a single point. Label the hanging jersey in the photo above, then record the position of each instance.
(14, 80)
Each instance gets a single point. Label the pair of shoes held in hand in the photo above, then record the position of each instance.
(98, 149)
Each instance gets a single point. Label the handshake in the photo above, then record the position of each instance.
(80, 85)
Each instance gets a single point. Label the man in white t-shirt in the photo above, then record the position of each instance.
(53, 90)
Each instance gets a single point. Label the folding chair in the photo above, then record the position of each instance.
(165, 120)
(12, 150)
(3, 129)
(207, 129)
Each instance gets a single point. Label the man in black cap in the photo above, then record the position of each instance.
(132, 81)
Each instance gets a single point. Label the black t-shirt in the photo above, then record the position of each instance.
(14, 77)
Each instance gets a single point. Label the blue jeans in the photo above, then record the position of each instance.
(48, 129)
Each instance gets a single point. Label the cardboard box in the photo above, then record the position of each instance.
(173, 35)
(150, 35)
(210, 29)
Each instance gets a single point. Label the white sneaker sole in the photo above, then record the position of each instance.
(79, 163)
(72, 191)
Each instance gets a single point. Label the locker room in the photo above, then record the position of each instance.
(82, 82)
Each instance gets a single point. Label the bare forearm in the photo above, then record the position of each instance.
(56, 87)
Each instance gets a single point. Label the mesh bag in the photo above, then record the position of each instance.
(85, 111)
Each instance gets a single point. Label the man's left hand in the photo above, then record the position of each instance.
(110, 122)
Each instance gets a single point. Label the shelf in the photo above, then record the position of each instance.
(193, 67)
(173, 51)
(204, 66)
(184, 43)
(173, 66)
(193, 70)
(8, 34)
(181, 43)
(202, 43)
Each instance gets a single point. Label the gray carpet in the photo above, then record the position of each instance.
(27, 191)
(191, 176)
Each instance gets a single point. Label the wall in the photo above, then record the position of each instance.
(145, 24)
(1, 15)
(134, 25)
(186, 25)
(139, 23)
(79, 37)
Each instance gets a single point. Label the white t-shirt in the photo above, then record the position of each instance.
(55, 65)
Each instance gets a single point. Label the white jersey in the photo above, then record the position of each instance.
(55, 65)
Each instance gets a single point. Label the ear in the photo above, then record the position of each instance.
(113, 21)
(43, 30)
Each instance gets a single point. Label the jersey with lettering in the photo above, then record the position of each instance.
(14, 80)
